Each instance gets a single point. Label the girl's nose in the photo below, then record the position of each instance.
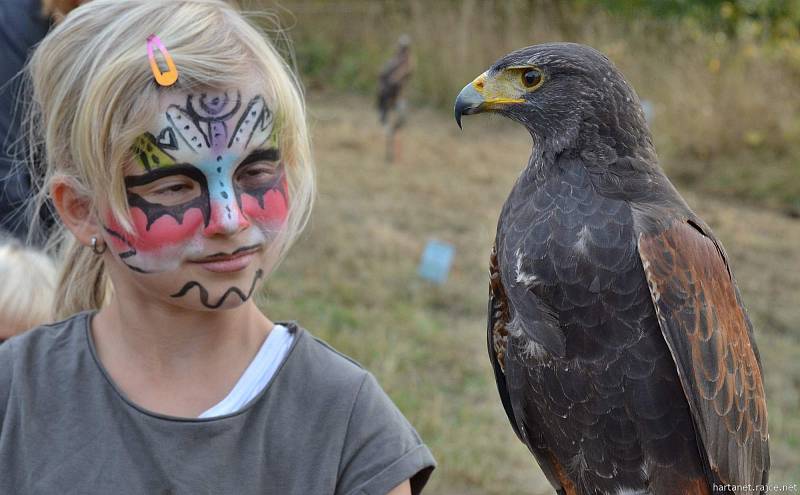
(226, 218)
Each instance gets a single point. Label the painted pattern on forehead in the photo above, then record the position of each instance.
(190, 135)
(206, 129)
(149, 154)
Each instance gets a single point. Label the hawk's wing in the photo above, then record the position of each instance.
(497, 336)
(711, 340)
(497, 340)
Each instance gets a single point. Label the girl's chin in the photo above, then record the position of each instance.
(220, 291)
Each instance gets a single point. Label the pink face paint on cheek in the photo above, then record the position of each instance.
(274, 212)
(165, 231)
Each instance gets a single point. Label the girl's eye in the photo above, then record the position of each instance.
(172, 189)
(256, 175)
(168, 191)
(531, 78)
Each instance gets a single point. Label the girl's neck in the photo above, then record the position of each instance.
(173, 361)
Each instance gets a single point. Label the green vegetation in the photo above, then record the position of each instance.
(775, 20)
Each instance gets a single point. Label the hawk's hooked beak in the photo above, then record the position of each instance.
(468, 101)
(485, 94)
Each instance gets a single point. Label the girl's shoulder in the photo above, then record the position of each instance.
(28, 358)
(35, 346)
(376, 446)
(318, 361)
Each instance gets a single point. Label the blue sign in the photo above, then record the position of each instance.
(436, 261)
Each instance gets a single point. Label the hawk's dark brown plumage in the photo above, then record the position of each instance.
(622, 352)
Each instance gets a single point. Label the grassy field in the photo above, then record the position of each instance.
(724, 109)
(352, 281)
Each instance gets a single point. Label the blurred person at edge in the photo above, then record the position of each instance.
(23, 23)
(27, 284)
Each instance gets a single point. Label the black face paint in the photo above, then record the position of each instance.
(277, 181)
(235, 252)
(154, 211)
(232, 290)
(258, 113)
(263, 155)
(125, 254)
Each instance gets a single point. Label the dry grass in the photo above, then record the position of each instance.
(352, 280)
(711, 94)
(718, 104)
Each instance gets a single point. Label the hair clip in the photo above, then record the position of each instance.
(169, 77)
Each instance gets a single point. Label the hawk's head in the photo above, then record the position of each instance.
(570, 97)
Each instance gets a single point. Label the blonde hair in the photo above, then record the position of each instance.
(93, 93)
(26, 294)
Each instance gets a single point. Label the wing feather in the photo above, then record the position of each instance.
(497, 342)
(711, 340)
(497, 336)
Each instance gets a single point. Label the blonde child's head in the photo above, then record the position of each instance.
(107, 132)
(26, 293)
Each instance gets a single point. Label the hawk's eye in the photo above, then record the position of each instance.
(531, 78)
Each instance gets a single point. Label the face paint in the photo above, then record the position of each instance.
(211, 168)
(204, 297)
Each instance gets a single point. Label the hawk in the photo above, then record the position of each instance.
(622, 352)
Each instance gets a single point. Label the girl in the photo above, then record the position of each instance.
(178, 159)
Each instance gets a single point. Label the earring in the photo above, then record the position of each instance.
(97, 250)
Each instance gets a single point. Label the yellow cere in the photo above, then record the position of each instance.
(148, 154)
(503, 88)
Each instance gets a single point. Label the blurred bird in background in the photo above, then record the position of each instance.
(392, 105)
(622, 352)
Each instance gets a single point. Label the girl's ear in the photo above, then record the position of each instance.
(75, 211)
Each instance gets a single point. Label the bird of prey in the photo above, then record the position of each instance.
(622, 352)
(391, 82)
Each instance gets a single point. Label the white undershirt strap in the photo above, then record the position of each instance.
(257, 375)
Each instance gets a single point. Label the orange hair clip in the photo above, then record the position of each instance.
(169, 77)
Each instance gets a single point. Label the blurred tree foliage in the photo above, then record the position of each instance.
(721, 75)
(337, 37)
(771, 20)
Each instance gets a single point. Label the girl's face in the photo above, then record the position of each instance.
(208, 197)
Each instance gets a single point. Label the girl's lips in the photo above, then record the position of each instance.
(230, 263)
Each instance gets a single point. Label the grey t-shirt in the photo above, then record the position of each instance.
(322, 426)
